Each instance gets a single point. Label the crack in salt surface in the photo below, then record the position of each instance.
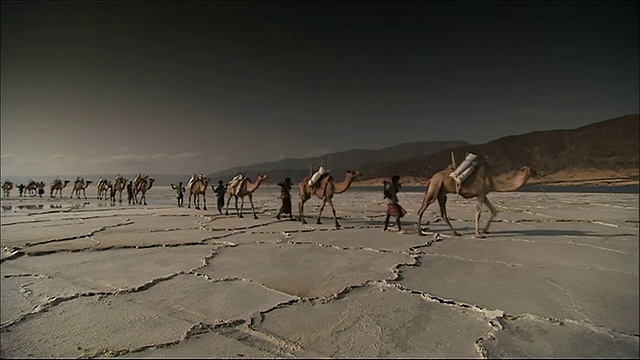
(196, 329)
(90, 234)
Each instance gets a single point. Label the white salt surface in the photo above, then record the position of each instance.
(556, 277)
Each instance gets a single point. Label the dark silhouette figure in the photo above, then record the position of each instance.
(285, 195)
(220, 190)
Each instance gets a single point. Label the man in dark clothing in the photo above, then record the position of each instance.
(220, 191)
(285, 195)
(130, 193)
(21, 189)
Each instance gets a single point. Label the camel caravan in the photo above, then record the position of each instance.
(471, 179)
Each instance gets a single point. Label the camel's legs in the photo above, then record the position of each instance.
(442, 202)
(252, 208)
(301, 209)
(494, 212)
(189, 205)
(204, 199)
(228, 201)
(425, 204)
(333, 209)
(324, 202)
(238, 211)
(478, 213)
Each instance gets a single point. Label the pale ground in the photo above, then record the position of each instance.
(557, 277)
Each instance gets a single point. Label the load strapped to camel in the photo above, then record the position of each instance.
(462, 172)
(139, 178)
(316, 176)
(236, 181)
(194, 178)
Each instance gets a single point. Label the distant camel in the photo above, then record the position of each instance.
(103, 187)
(31, 188)
(57, 186)
(118, 185)
(245, 188)
(78, 185)
(6, 187)
(142, 186)
(324, 190)
(198, 186)
(478, 185)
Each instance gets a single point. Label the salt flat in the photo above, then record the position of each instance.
(556, 277)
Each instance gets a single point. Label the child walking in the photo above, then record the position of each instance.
(394, 209)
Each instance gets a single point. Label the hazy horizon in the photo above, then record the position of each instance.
(185, 87)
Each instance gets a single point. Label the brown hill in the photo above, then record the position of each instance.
(600, 153)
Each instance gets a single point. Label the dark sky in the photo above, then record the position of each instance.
(182, 87)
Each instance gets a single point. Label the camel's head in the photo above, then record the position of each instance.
(529, 171)
(88, 182)
(262, 177)
(354, 174)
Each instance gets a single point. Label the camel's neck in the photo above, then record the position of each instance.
(151, 184)
(343, 186)
(512, 185)
(251, 187)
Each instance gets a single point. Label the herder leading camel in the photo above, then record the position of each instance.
(324, 190)
(245, 188)
(477, 185)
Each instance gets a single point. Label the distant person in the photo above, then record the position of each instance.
(220, 190)
(112, 194)
(394, 209)
(179, 193)
(130, 193)
(21, 189)
(41, 189)
(285, 195)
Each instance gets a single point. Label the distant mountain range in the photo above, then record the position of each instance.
(365, 161)
(603, 153)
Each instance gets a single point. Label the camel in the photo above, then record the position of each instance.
(478, 185)
(57, 186)
(103, 187)
(31, 188)
(119, 184)
(80, 184)
(198, 186)
(6, 187)
(245, 188)
(324, 189)
(142, 186)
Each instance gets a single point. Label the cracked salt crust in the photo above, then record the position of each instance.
(268, 288)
